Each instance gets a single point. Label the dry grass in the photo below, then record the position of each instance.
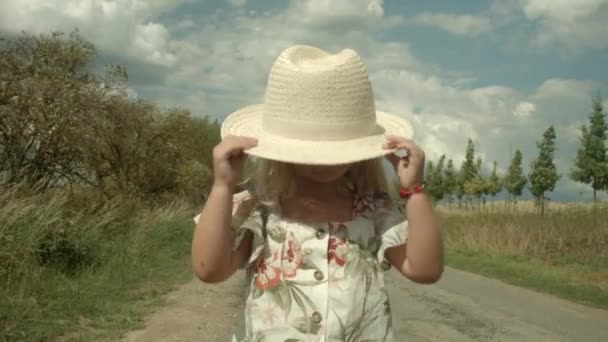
(570, 239)
(578, 232)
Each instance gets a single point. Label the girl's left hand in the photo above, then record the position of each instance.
(409, 168)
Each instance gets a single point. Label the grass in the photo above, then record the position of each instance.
(80, 270)
(563, 253)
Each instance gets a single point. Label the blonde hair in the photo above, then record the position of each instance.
(270, 181)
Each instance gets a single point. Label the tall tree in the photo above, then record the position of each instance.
(484, 186)
(459, 192)
(434, 179)
(515, 180)
(591, 163)
(468, 171)
(543, 172)
(450, 181)
(430, 180)
(437, 188)
(494, 183)
(469, 168)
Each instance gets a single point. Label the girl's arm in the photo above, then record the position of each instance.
(421, 259)
(213, 259)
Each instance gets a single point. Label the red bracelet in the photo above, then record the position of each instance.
(408, 192)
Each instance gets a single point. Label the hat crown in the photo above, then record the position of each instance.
(314, 95)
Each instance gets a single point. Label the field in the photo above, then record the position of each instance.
(564, 252)
(69, 262)
(68, 265)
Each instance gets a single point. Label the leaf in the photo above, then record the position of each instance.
(306, 326)
(341, 323)
(256, 293)
(306, 298)
(305, 282)
(301, 325)
(276, 233)
(307, 264)
(287, 300)
(282, 297)
(299, 302)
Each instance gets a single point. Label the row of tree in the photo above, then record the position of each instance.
(63, 124)
(444, 181)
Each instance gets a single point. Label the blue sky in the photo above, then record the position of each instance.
(498, 71)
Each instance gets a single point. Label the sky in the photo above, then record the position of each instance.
(496, 71)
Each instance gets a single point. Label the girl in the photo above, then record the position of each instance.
(316, 228)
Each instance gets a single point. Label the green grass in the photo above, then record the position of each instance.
(78, 273)
(562, 253)
(560, 281)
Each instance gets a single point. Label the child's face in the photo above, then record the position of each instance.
(321, 173)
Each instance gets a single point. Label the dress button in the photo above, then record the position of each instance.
(316, 317)
(320, 234)
(318, 275)
(307, 251)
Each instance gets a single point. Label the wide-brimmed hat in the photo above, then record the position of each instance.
(318, 109)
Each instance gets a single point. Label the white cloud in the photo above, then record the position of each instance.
(460, 25)
(569, 24)
(340, 8)
(238, 3)
(220, 62)
(524, 109)
(119, 27)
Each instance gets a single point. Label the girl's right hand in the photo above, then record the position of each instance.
(229, 159)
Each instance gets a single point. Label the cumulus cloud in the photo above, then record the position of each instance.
(572, 24)
(218, 63)
(238, 3)
(460, 25)
(119, 27)
(524, 109)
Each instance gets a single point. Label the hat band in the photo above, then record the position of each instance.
(314, 131)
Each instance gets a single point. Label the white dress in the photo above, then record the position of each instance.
(319, 282)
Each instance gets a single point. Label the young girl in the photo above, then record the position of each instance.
(317, 227)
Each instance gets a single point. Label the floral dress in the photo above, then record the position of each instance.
(320, 282)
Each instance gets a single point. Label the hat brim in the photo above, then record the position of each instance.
(248, 122)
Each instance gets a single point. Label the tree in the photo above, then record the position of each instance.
(483, 187)
(429, 175)
(61, 123)
(515, 180)
(459, 192)
(468, 171)
(46, 93)
(450, 181)
(591, 162)
(476, 186)
(435, 183)
(543, 172)
(494, 183)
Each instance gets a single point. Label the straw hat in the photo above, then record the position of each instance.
(318, 109)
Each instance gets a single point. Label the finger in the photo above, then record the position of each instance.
(406, 144)
(402, 142)
(241, 140)
(389, 145)
(393, 159)
(239, 144)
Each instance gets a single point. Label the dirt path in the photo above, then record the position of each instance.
(461, 307)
